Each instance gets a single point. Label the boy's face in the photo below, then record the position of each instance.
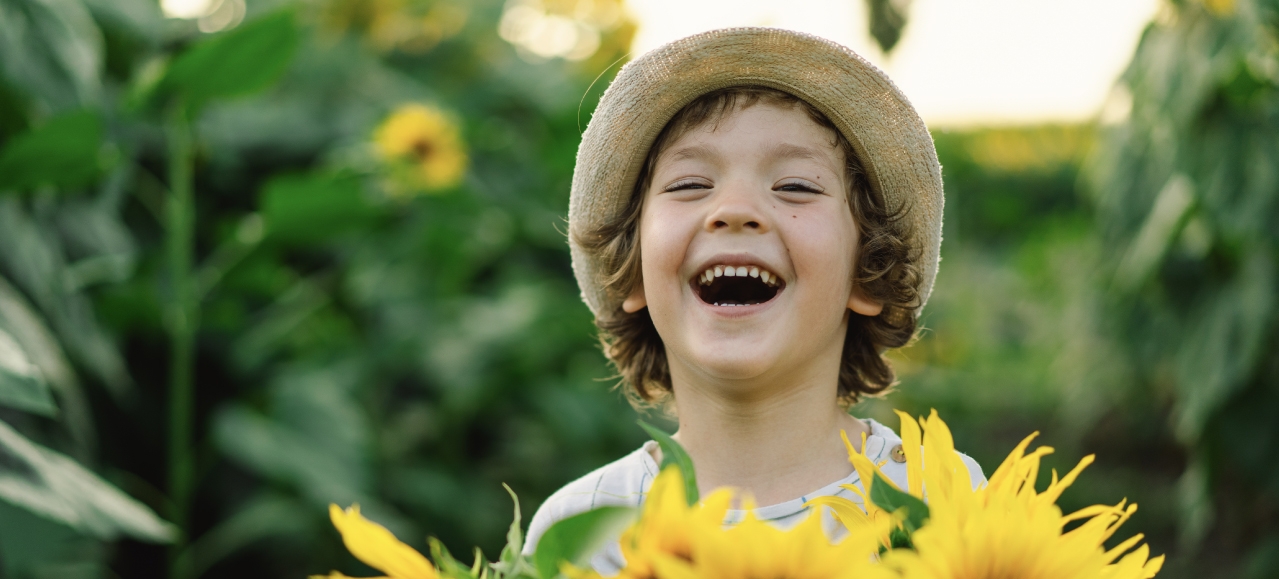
(763, 194)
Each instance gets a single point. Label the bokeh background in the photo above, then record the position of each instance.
(259, 256)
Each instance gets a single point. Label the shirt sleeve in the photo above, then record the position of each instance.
(974, 471)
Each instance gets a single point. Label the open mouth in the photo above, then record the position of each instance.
(728, 285)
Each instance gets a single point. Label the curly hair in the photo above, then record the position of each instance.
(885, 272)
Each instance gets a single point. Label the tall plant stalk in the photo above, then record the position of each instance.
(181, 317)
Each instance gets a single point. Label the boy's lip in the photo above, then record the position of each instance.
(733, 312)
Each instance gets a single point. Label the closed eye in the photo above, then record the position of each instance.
(685, 184)
(798, 186)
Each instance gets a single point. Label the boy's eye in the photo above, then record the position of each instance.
(797, 186)
(687, 184)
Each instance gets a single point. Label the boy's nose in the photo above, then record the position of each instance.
(736, 210)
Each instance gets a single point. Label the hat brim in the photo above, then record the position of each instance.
(887, 134)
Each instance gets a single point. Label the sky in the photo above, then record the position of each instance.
(960, 62)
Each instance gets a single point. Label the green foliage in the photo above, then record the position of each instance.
(21, 385)
(413, 353)
(891, 499)
(887, 20)
(1186, 188)
(315, 208)
(52, 51)
(56, 487)
(576, 539)
(236, 63)
(673, 454)
(64, 152)
(511, 561)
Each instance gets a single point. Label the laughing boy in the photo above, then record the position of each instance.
(755, 220)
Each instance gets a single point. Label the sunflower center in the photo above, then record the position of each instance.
(422, 148)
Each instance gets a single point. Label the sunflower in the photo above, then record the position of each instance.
(1005, 529)
(852, 515)
(672, 540)
(377, 547)
(423, 148)
(665, 538)
(755, 548)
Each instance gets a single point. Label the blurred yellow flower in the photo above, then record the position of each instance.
(406, 25)
(1220, 7)
(377, 547)
(868, 514)
(423, 147)
(672, 540)
(1005, 528)
(755, 548)
(668, 527)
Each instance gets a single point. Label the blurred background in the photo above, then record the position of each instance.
(257, 256)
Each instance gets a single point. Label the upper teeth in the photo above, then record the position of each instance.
(738, 271)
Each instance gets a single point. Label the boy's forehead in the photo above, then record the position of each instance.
(776, 131)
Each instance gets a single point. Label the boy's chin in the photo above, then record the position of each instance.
(736, 362)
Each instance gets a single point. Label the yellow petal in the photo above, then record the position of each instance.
(911, 441)
(672, 568)
(1088, 513)
(336, 575)
(378, 548)
(845, 511)
(1008, 466)
(865, 468)
(1054, 490)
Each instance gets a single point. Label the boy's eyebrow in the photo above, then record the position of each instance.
(778, 151)
(692, 152)
(792, 151)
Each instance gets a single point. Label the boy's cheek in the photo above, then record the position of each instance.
(665, 238)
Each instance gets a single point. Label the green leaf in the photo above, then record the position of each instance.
(36, 259)
(514, 537)
(444, 560)
(57, 488)
(578, 537)
(265, 517)
(887, 20)
(889, 498)
(41, 347)
(674, 454)
(21, 384)
(240, 62)
(512, 563)
(898, 538)
(310, 208)
(64, 152)
(53, 50)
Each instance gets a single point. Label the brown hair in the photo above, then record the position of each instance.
(885, 272)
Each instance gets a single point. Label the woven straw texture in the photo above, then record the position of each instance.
(883, 128)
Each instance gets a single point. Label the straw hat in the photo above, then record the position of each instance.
(875, 117)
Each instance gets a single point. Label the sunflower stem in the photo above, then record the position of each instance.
(181, 320)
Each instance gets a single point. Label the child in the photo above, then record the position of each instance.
(755, 219)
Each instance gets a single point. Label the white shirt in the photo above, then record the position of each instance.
(625, 481)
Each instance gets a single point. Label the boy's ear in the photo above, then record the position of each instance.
(635, 302)
(859, 302)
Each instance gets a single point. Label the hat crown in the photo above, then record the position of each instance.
(887, 134)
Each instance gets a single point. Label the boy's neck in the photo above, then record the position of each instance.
(776, 447)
